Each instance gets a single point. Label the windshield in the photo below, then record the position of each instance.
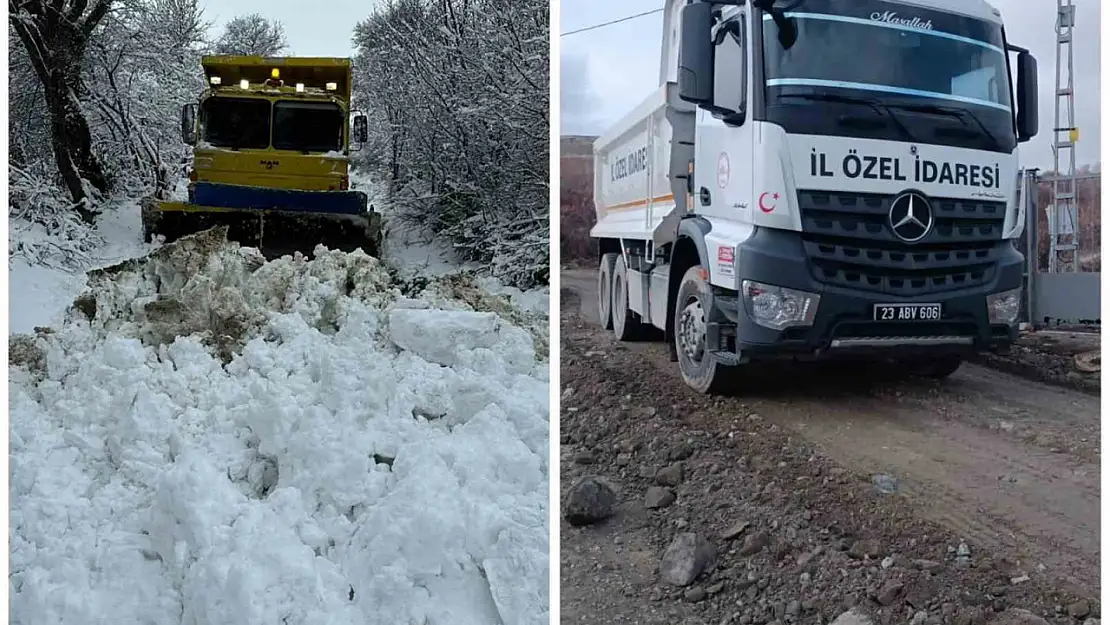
(236, 123)
(940, 76)
(308, 126)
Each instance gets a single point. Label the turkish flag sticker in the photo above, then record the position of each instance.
(767, 201)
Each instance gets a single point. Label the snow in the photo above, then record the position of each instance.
(408, 247)
(535, 301)
(416, 252)
(204, 145)
(229, 440)
(40, 293)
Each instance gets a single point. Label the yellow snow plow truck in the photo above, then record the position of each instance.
(271, 142)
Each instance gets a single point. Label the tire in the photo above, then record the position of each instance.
(605, 290)
(938, 368)
(626, 324)
(699, 370)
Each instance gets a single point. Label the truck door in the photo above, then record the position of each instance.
(724, 134)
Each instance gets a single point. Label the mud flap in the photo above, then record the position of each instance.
(274, 232)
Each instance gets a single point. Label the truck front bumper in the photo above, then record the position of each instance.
(844, 325)
(242, 197)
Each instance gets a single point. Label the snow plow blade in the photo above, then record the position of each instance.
(274, 231)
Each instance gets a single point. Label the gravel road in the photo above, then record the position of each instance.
(918, 502)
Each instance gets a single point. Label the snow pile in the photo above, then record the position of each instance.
(416, 256)
(316, 448)
(534, 301)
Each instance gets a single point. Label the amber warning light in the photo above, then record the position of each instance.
(275, 78)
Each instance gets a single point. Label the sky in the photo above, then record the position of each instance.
(609, 71)
(325, 30)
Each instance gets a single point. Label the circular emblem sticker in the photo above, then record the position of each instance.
(723, 170)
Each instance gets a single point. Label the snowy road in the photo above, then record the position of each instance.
(232, 441)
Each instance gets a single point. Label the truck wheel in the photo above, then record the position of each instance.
(626, 324)
(937, 368)
(605, 290)
(699, 370)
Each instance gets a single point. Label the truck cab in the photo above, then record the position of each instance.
(272, 139)
(820, 179)
(273, 122)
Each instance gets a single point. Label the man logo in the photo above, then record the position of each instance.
(911, 217)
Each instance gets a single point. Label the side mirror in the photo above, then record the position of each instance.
(361, 133)
(189, 124)
(1028, 113)
(695, 54)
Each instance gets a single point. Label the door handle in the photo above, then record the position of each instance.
(703, 196)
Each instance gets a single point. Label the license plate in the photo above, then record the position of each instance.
(907, 312)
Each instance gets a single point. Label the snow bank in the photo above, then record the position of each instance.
(47, 270)
(211, 438)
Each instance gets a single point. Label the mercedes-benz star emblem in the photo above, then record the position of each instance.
(911, 217)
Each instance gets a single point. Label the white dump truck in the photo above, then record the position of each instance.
(819, 179)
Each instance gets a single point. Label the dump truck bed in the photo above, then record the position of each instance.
(317, 71)
(636, 173)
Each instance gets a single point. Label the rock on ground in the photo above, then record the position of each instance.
(853, 617)
(589, 501)
(658, 497)
(686, 558)
(1016, 616)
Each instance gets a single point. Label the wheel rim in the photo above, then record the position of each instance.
(691, 331)
(618, 302)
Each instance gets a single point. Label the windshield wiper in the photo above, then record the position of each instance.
(877, 106)
(958, 113)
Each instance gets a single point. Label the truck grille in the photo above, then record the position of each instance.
(849, 243)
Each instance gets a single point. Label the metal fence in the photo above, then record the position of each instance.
(1057, 297)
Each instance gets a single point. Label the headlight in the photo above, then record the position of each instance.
(1004, 307)
(779, 308)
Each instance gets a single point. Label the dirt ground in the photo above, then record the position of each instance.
(918, 502)
(1051, 356)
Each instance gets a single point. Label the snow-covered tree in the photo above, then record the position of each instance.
(121, 103)
(141, 68)
(457, 91)
(252, 35)
(55, 37)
